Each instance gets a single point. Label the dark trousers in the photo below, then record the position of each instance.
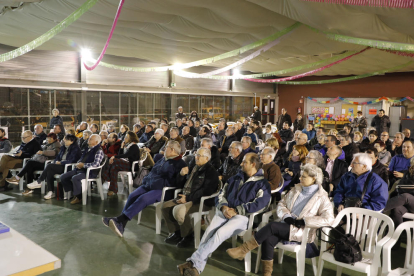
(139, 199)
(72, 181)
(270, 235)
(30, 167)
(399, 205)
(49, 175)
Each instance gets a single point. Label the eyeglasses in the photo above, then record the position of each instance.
(356, 163)
(384, 135)
(24, 137)
(199, 155)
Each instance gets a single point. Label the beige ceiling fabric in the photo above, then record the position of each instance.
(182, 31)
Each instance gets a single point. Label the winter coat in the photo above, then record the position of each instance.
(215, 157)
(352, 185)
(189, 141)
(399, 163)
(239, 134)
(180, 140)
(259, 133)
(74, 154)
(360, 124)
(317, 213)
(245, 195)
(230, 167)
(204, 183)
(55, 121)
(155, 145)
(298, 124)
(366, 144)
(227, 142)
(132, 154)
(396, 151)
(272, 174)
(350, 150)
(253, 136)
(180, 115)
(50, 151)
(121, 135)
(340, 167)
(381, 170)
(140, 132)
(283, 118)
(381, 123)
(145, 137)
(311, 134)
(257, 115)
(163, 174)
(29, 149)
(286, 134)
(5, 145)
(193, 131)
(40, 138)
(112, 150)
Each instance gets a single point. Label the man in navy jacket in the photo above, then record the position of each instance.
(245, 193)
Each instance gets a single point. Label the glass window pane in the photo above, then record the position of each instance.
(162, 106)
(110, 103)
(183, 100)
(14, 112)
(207, 103)
(194, 100)
(145, 106)
(40, 102)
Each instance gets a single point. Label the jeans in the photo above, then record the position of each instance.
(399, 205)
(72, 181)
(270, 235)
(139, 199)
(219, 230)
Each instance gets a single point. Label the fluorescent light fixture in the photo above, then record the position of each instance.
(86, 54)
(85, 88)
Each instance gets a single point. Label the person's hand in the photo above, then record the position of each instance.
(111, 160)
(40, 152)
(231, 212)
(289, 220)
(340, 208)
(182, 199)
(184, 171)
(299, 223)
(398, 174)
(80, 165)
(220, 177)
(224, 211)
(161, 152)
(148, 150)
(104, 142)
(57, 163)
(286, 170)
(18, 153)
(331, 187)
(290, 173)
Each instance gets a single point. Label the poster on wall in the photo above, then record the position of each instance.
(317, 109)
(372, 111)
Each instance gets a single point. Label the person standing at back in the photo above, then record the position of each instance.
(257, 115)
(284, 117)
(381, 122)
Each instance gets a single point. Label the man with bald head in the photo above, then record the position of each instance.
(91, 158)
(28, 148)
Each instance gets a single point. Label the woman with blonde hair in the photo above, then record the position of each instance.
(280, 151)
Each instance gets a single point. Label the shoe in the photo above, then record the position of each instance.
(242, 250)
(106, 221)
(49, 195)
(187, 241)
(12, 180)
(111, 193)
(117, 227)
(27, 192)
(76, 200)
(267, 267)
(192, 271)
(34, 185)
(183, 267)
(173, 238)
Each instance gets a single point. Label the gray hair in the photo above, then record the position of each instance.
(237, 145)
(164, 124)
(248, 138)
(208, 141)
(230, 129)
(270, 151)
(338, 148)
(320, 162)
(175, 146)
(84, 123)
(206, 152)
(364, 159)
(103, 132)
(38, 126)
(55, 109)
(88, 132)
(313, 171)
(400, 133)
(160, 131)
(97, 137)
(175, 129)
(297, 132)
(27, 132)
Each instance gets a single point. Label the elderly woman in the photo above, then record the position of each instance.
(123, 130)
(321, 142)
(306, 205)
(384, 156)
(157, 141)
(357, 137)
(56, 119)
(368, 143)
(128, 153)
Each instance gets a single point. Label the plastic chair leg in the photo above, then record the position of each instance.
(158, 217)
(314, 266)
(197, 230)
(320, 266)
(280, 256)
(84, 192)
(259, 256)
(100, 189)
(338, 270)
(300, 264)
(21, 183)
(43, 188)
(234, 241)
(139, 217)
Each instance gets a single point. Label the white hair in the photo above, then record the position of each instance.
(38, 126)
(237, 145)
(298, 132)
(313, 171)
(88, 132)
(208, 141)
(55, 109)
(207, 152)
(364, 159)
(97, 137)
(160, 131)
(175, 146)
(270, 151)
(320, 162)
(103, 132)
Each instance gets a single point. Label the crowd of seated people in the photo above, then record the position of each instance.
(243, 161)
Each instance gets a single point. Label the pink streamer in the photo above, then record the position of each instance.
(118, 13)
(307, 73)
(403, 4)
(404, 54)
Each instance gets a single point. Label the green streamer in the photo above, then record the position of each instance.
(50, 34)
(207, 60)
(347, 78)
(386, 45)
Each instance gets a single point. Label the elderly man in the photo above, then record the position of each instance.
(239, 131)
(149, 132)
(377, 166)
(166, 129)
(94, 128)
(28, 148)
(381, 122)
(219, 132)
(163, 174)
(201, 181)
(335, 167)
(396, 146)
(232, 162)
(156, 143)
(385, 137)
(352, 184)
(174, 136)
(91, 158)
(215, 154)
(189, 139)
(407, 134)
(348, 147)
(286, 133)
(256, 115)
(203, 133)
(5, 145)
(83, 142)
(111, 145)
(225, 142)
(39, 134)
(246, 142)
(81, 128)
(59, 130)
(271, 171)
(179, 124)
(314, 140)
(104, 135)
(284, 117)
(141, 130)
(245, 193)
(180, 114)
(401, 162)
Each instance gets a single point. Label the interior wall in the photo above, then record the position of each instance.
(389, 85)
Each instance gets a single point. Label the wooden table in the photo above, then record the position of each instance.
(21, 256)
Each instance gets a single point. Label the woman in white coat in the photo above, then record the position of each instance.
(306, 205)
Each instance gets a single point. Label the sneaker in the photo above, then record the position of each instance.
(116, 227)
(49, 195)
(106, 221)
(34, 185)
(27, 192)
(13, 180)
(187, 241)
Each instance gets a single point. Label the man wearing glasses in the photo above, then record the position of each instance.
(28, 148)
(232, 162)
(385, 137)
(201, 181)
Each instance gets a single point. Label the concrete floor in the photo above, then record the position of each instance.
(77, 236)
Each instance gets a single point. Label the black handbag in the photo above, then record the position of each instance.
(356, 201)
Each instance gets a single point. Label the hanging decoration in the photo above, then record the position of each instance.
(403, 54)
(361, 103)
(307, 73)
(402, 4)
(207, 60)
(382, 72)
(50, 34)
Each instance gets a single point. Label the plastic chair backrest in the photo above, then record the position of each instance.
(408, 227)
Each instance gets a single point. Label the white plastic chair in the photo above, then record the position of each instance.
(408, 268)
(86, 183)
(158, 210)
(299, 249)
(129, 175)
(14, 172)
(57, 177)
(368, 229)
